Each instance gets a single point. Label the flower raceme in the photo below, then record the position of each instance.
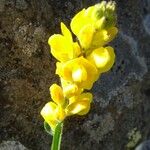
(80, 63)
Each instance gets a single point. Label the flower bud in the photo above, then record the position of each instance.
(106, 12)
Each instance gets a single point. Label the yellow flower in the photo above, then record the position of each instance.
(103, 58)
(102, 37)
(100, 16)
(53, 114)
(62, 46)
(79, 104)
(94, 26)
(91, 39)
(78, 71)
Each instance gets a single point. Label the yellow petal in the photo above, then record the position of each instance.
(76, 107)
(57, 94)
(89, 12)
(70, 89)
(100, 38)
(85, 111)
(61, 48)
(76, 48)
(79, 73)
(63, 70)
(112, 33)
(85, 97)
(48, 111)
(67, 71)
(86, 35)
(100, 23)
(103, 58)
(92, 73)
(65, 31)
(77, 22)
(81, 19)
(82, 97)
(81, 104)
(60, 113)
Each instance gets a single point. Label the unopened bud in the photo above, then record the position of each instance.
(105, 14)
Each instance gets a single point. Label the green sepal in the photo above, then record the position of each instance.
(105, 14)
(48, 128)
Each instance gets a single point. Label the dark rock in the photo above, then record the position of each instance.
(27, 69)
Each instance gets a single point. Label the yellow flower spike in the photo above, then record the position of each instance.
(57, 94)
(67, 73)
(80, 104)
(62, 46)
(103, 58)
(79, 64)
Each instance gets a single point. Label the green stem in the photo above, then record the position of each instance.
(57, 137)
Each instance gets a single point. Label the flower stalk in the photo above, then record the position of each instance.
(56, 142)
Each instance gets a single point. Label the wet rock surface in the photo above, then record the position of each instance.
(27, 69)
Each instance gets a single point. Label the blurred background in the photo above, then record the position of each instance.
(120, 115)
